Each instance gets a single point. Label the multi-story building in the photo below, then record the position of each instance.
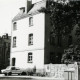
(5, 41)
(30, 36)
(32, 43)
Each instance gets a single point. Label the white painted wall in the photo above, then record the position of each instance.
(21, 50)
(23, 30)
(22, 59)
(34, 1)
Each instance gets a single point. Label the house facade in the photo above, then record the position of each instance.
(28, 37)
(32, 43)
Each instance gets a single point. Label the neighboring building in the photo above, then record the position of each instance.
(5, 41)
(32, 42)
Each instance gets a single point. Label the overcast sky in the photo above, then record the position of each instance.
(8, 9)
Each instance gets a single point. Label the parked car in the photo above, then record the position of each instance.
(13, 70)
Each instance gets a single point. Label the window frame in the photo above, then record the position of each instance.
(30, 57)
(30, 39)
(14, 26)
(14, 41)
(30, 21)
(52, 39)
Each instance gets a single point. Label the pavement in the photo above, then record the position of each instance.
(31, 77)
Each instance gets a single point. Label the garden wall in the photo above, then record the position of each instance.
(63, 71)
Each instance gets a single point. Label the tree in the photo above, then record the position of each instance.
(71, 54)
(63, 15)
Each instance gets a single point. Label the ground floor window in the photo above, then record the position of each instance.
(55, 57)
(30, 57)
(13, 61)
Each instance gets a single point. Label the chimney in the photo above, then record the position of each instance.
(28, 5)
(22, 10)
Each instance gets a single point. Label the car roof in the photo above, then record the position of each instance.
(13, 66)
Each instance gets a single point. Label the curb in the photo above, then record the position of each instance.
(32, 77)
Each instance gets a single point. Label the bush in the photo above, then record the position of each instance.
(40, 72)
(29, 71)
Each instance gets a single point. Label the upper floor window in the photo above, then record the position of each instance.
(59, 39)
(14, 26)
(31, 21)
(14, 41)
(52, 39)
(30, 39)
(30, 57)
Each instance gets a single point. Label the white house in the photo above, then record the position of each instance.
(30, 44)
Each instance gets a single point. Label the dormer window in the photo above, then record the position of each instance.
(31, 21)
(14, 26)
(22, 10)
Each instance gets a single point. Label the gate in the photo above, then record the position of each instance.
(69, 75)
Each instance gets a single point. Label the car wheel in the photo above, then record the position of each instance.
(5, 74)
(23, 73)
(19, 74)
(9, 73)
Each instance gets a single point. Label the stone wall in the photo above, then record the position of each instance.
(62, 71)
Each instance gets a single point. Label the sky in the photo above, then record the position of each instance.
(9, 9)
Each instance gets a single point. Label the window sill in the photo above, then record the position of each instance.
(30, 62)
(30, 25)
(14, 29)
(30, 44)
(14, 47)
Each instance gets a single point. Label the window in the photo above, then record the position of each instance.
(14, 26)
(30, 21)
(30, 39)
(52, 39)
(52, 57)
(13, 68)
(30, 57)
(59, 41)
(14, 41)
(13, 61)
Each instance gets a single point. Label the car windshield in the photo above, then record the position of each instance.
(17, 68)
(8, 67)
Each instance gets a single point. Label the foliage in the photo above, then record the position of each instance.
(30, 71)
(63, 15)
(71, 54)
(40, 72)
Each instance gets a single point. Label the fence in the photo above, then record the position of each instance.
(63, 71)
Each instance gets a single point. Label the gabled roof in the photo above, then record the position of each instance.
(34, 10)
(38, 6)
(19, 16)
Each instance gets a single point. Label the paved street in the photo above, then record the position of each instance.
(12, 78)
(9, 78)
(15, 77)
